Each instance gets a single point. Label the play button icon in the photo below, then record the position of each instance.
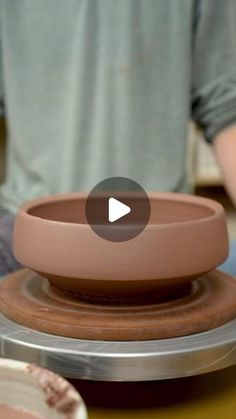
(117, 209)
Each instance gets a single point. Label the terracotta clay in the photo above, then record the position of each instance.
(185, 237)
(28, 299)
(151, 287)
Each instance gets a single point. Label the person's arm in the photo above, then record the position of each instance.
(224, 145)
(214, 81)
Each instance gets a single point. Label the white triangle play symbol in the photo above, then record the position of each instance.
(117, 209)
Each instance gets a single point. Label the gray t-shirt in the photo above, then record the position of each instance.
(100, 88)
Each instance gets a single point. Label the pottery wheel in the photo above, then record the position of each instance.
(121, 361)
(28, 299)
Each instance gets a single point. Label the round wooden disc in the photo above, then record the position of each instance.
(28, 299)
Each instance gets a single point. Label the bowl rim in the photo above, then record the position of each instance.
(207, 203)
(24, 367)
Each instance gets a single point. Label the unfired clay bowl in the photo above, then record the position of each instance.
(185, 237)
(42, 393)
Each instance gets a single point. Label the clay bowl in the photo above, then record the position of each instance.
(186, 236)
(35, 391)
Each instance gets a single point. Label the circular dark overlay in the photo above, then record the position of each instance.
(108, 198)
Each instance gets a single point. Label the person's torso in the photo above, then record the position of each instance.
(94, 89)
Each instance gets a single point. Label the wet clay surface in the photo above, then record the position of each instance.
(59, 394)
(10, 412)
(28, 299)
